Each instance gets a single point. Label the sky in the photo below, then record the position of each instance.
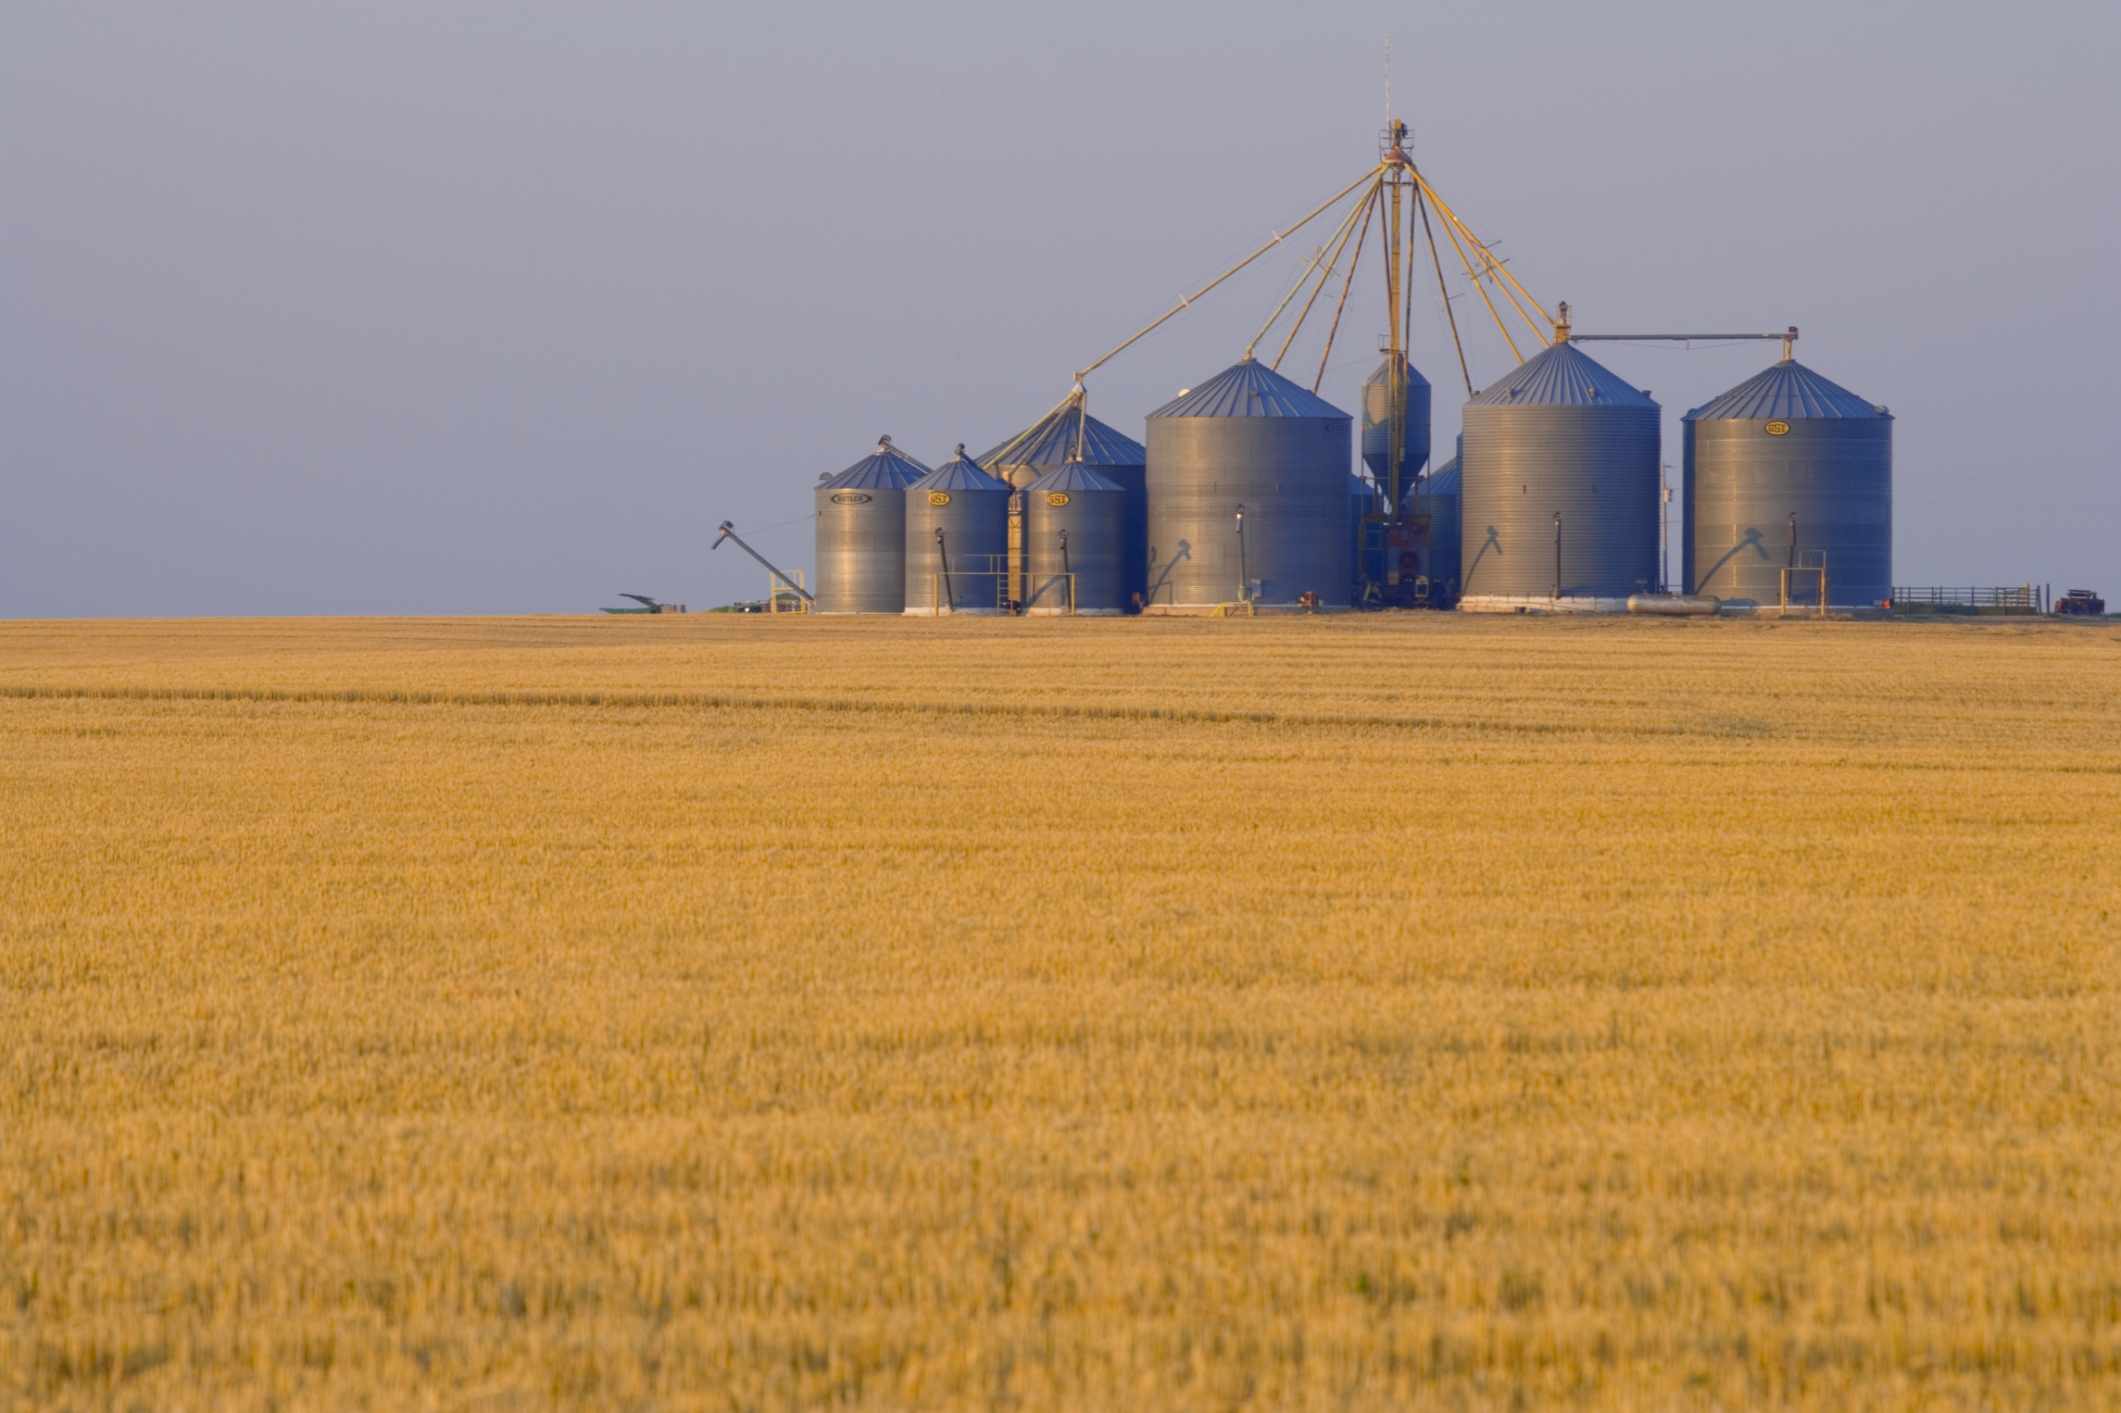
(460, 306)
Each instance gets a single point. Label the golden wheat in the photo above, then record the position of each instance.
(1309, 1013)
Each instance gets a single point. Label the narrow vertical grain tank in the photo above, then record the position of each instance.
(1075, 533)
(1248, 439)
(1437, 496)
(1559, 488)
(1070, 434)
(1783, 470)
(956, 545)
(861, 533)
(1377, 424)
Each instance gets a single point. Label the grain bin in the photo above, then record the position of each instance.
(861, 533)
(1075, 530)
(1781, 471)
(1559, 488)
(1377, 424)
(1070, 433)
(1437, 496)
(1364, 500)
(956, 545)
(1248, 440)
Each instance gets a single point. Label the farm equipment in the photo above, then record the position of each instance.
(2081, 603)
(647, 605)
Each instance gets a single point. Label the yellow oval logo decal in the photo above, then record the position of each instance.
(1777, 429)
(938, 497)
(1056, 499)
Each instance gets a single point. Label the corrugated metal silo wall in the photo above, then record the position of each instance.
(1291, 476)
(1134, 541)
(1597, 466)
(975, 526)
(861, 551)
(1445, 567)
(1096, 522)
(1363, 501)
(1133, 482)
(1834, 474)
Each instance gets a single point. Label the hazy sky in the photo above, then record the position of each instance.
(439, 306)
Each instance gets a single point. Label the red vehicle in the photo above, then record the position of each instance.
(2081, 603)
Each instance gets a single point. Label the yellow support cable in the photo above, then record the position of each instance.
(1406, 284)
(1377, 199)
(1443, 209)
(1304, 276)
(1443, 291)
(1491, 267)
(1482, 289)
(1347, 232)
(1186, 301)
(1000, 455)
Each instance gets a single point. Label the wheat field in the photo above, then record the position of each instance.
(1348, 1013)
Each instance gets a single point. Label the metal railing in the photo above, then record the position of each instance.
(1973, 598)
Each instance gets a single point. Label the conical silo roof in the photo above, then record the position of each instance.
(1384, 369)
(1444, 480)
(1249, 388)
(1562, 376)
(1074, 477)
(1051, 440)
(1786, 392)
(959, 473)
(885, 469)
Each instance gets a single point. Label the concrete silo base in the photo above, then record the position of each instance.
(1234, 608)
(1539, 603)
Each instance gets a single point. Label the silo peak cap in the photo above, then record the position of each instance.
(1249, 389)
(959, 474)
(887, 469)
(1562, 375)
(1785, 392)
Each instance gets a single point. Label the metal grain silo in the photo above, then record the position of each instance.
(1070, 434)
(957, 549)
(1377, 424)
(1560, 487)
(1364, 500)
(1076, 525)
(1437, 496)
(1248, 439)
(861, 533)
(1782, 469)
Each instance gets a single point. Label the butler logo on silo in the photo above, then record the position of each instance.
(1777, 429)
(849, 498)
(938, 497)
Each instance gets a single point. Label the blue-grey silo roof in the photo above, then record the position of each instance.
(1074, 477)
(1249, 389)
(1445, 480)
(1562, 375)
(885, 469)
(1384, 367)
(959, 473)
(1051, 440)
(1786, 392)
